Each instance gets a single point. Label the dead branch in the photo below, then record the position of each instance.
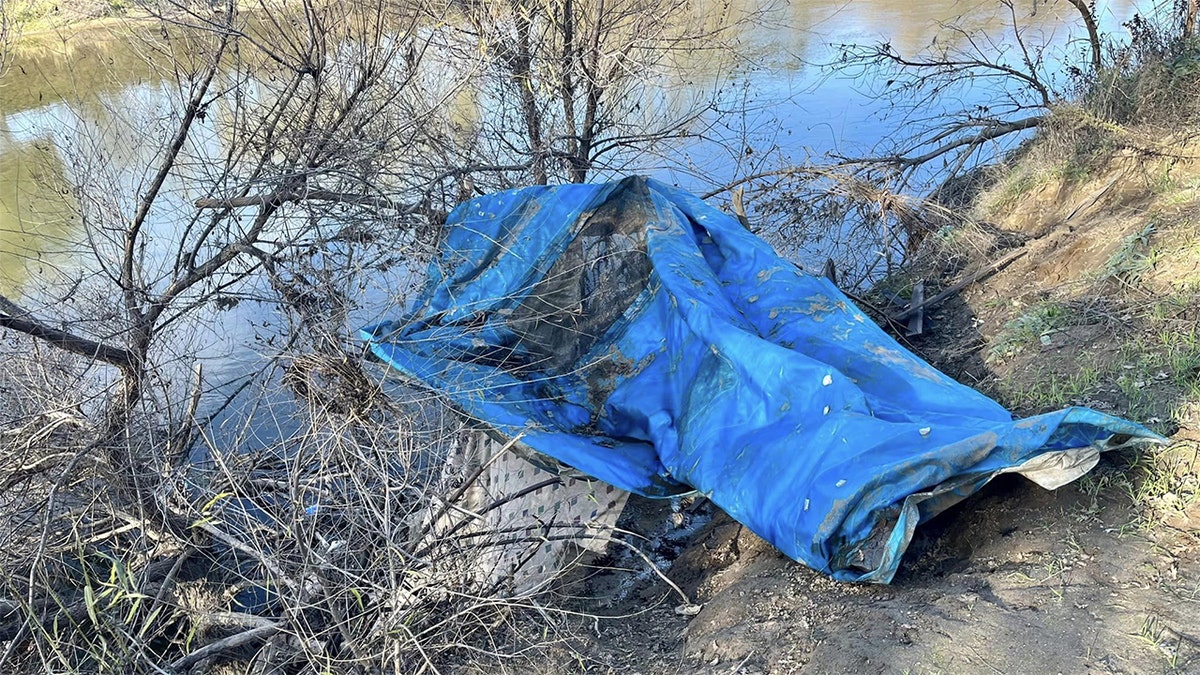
(987, 270)
(785, 172)
(1093, 32)
(251, 636)
(75, 344)
(191, 111)
(991, 130)
(284, 196)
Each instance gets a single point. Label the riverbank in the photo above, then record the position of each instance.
(38, 18)
(35, 17)
(1102, 575)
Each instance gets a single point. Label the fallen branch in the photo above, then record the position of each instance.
(980, 274)
(232, 642)
(990, 132)
(777, 173)
(23, 322)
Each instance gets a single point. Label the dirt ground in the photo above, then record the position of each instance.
(1100, 576)
(1016, 580)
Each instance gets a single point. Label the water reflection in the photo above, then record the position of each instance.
(81, 129)
(80, 115)
(37, 216)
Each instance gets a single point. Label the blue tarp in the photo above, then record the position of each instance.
(643, 337)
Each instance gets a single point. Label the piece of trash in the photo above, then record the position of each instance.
(827, 381)
(924, 431)
(688, 609)
(840, 483)
(1045, 338)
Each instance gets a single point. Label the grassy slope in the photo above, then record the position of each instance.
(1104, 309)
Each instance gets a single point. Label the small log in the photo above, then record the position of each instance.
(16, 318)
(257, 634)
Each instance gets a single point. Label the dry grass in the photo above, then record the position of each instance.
(311, 554)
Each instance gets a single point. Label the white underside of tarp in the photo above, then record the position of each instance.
(1053, 470)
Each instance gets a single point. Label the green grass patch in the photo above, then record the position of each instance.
(1168, 355)
(1153, 378)
(1015, 185)
(1054, 391)
(1133, 258)
(1034, 326)
(1163, 482)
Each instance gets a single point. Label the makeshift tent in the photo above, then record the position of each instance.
(645, 338)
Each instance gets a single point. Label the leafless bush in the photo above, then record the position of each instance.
(1083, 97)
(864, 221)
(571, 89)
(309, 553)
(1153, 81)
(1029, 77)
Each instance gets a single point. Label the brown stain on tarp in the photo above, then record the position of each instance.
(893, 357)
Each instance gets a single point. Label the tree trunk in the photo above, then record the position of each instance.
(522, 65)
(1089, 22)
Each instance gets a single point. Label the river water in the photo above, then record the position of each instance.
(94, 87)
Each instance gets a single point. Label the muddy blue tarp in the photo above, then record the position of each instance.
(639, 335)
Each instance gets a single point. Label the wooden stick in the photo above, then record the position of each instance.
(16, 318)
(282, 196)
(739, 208)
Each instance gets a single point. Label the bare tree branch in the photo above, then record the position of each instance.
(14, 318)
(169, 157)
(991, 130)
(1093, 32)
(281, 197)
